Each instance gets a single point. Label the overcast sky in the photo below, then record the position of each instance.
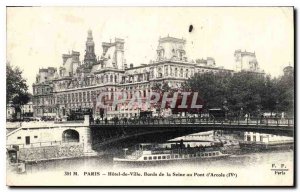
(37, 37)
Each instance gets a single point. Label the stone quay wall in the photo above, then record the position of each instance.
(51, 152)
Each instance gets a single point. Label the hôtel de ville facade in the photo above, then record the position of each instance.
(76, 84)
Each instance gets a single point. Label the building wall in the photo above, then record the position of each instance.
(44, 136)
(48, 134)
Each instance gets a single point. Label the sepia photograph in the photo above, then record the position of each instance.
(150, 96)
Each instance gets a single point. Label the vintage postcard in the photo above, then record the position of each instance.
(150, 96)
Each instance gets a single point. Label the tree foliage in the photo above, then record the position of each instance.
(244, 92)
(16, 87)
(286, 94)
(213, 88)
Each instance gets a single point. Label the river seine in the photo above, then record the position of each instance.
(272, 167)
(247, 161)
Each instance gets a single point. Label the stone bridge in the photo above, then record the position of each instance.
(106, 134)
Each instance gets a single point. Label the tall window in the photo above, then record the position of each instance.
(76, 97)
(88, 96)
(80, 97)
(187, 73)
(151, 73)
(166, 70)
(159, 71)
(84, 96)
(65, 98)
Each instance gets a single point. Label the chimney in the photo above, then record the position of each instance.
(125, 66)
(131, 65)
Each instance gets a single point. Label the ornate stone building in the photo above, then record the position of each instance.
(246, 61)
(76, 84)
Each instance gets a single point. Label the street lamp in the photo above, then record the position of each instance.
(125, 149)
(225, 108)
(139, 111)
(241, 113)
(277, 102)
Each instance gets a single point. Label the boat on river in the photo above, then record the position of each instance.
(147, 153)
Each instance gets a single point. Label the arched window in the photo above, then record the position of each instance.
(111, 78)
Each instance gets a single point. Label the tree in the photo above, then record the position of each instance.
(156, 87)
(161, 89)
(212, 88)
(16, 88)
(270, 95)
(166, 87)
(286, 94)
(245, 90)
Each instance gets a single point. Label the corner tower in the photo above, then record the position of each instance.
(171, 48)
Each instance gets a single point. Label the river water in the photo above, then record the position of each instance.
(241, 161)
(253, 167)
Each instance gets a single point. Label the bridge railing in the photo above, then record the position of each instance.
(194, 120)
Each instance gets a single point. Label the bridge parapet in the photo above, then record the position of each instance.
(266, 122)
(108, 132)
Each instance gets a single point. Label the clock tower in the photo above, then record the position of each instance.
(90, 57)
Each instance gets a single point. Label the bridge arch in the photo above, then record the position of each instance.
(104, 135)
(70, 135)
